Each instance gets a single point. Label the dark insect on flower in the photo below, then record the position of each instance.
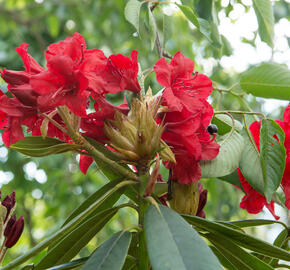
(212, 129)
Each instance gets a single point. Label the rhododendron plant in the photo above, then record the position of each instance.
(154, 148)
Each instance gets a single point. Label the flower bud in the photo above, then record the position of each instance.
(9, 202)
(137, 137)
(14, 234)
(185, 198)
(9, 225)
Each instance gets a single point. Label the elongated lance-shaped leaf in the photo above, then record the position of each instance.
(242, 239)
(223, 260)
(132, 13)
(241, 259)
(228, 158)
(152, 27)
(36, 146)
(273, 155)
(265, 17)
(254, 222)
(111, 254)
(173, 244)
(267, 80)
(167, 28)
(69, 227)
(70, 246)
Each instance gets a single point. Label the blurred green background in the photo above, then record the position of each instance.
(48, 189)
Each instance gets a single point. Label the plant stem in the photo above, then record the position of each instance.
(240, 112)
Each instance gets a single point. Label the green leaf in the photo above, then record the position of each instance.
(110, 201)
(223, 260)
(250, 165)
(173, 244)
(265, 17)
(215, 35)
(190, 14)
(273, 155)
(132, 13)
(167, 28)
(254, 222)
(111, 254)
(242, 239)
(227, 160)
(227, 47)
(225, 124)
(36, 146)
(71, 265)
(152, 27)
(241, 259)
(264, 170)
(232, 178)
(268, 80)
(70, 246)
(53, 25)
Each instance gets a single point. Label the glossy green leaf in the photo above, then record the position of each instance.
(132, 13)
(268, 80)
(36, 146)
(273, 155)
(190, 14)
(242, 239)
(111, 254)
(241, 259)
(173, 244)
(265, 17)
(72, 243)
(232, 178)
(228, 158)
(225, 124)
(152, 27)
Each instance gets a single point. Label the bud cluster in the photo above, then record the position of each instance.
(11, 227)
(137, 137)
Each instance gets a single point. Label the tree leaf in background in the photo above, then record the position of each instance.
(227, 49)
(190, 14)
(70, 246)
(215, 35)
(167, 28)
(53, 24)
(225, 123)
(36, 146)
(227, 160)
(173, 244)
(241, 259)
(267, 80)
(111, 254)
(242, 239)
(273, 155)
(132, 13)
(152, 27)
(265, 17)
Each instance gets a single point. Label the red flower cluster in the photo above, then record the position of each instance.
(253, 201)
(73, 74)
(189, 114)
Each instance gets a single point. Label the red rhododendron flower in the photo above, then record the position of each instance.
(190, 114)
(182, 89)
(18, 81)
